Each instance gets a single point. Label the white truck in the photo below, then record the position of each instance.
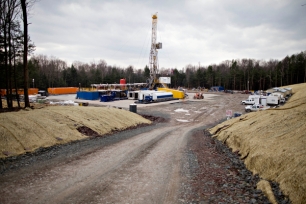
(248, 102)
(251, 100)
(255, 107)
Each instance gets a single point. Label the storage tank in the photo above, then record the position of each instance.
(63, 90)
(122, 81)
(161, 95)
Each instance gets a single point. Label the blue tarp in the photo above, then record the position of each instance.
(217, 88)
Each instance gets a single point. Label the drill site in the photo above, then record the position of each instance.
(152, 142)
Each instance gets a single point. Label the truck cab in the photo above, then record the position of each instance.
(248, 102)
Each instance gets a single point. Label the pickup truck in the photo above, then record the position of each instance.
(248, 102)
(255, 107)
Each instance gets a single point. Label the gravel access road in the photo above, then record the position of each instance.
(160, 163)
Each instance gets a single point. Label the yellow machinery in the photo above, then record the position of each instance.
(176, 93)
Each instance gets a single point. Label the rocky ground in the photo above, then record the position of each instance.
(214, 174)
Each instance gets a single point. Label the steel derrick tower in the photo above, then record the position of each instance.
(153, 52)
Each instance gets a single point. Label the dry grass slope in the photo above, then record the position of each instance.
(27, 130)
(273, 143)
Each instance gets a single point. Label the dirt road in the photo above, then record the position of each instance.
(138, 166)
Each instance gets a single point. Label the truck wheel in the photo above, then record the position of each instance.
(247, 110)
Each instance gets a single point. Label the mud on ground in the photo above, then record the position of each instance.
(210, 173)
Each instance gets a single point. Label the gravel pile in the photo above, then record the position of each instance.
(214, 174)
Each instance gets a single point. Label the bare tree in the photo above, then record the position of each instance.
(24, 5)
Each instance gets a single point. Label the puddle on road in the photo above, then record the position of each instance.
(181, 110)
(183, 121)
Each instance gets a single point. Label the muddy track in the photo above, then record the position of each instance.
(99, 180)
(144, 165)
(121, 172)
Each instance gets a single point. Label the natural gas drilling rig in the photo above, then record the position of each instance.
(153, 64)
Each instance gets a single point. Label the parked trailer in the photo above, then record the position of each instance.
(154, 96)
(162, 96)
(289, 90)
(254, 97)
(63, 90)
(31, 91)
(280, 94)
(285, 92)
(273, 100)
(142, 94)
(272, 90)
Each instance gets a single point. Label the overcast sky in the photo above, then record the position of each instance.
(192, 32)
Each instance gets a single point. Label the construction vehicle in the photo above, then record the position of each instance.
(198, 96)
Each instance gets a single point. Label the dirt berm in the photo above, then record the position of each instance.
(27, 130)
(272, 143)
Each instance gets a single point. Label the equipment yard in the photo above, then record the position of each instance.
(172, 160)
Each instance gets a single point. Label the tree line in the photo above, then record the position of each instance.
(244, 74)
(14, 48)
(50, 72)
(238, 74)
(43, 72)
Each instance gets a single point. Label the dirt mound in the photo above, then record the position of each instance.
(27, 130)
(272, 143)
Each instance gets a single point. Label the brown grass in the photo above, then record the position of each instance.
(27, 130)
(273, 143)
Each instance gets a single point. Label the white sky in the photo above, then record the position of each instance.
(191, 31)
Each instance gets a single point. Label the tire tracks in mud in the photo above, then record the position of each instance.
(163, 174)
(143, 168)
(104, 178)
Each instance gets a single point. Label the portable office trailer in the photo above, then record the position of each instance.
(272, 90)
(278, 95)
(289, 90)
(284, 92)
(272, 100)
(254, 98)
(276, 89)
(263, 101)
